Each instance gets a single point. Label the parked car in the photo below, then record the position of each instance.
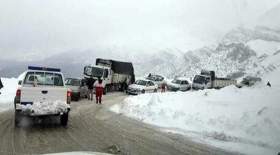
(142, 86)
(157, 79)
(41, 92)
(179, 84)
(249, 81)
(78, 88)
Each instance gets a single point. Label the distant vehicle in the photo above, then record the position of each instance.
(78, 88)
(179, 84)
(116, 75)
(42, 92)
(208, 80)
(249, 81)
(157, 79)
(142, 86)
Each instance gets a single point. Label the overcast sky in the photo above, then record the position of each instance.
(33, 28)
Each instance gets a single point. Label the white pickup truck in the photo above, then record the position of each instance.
(42, 92)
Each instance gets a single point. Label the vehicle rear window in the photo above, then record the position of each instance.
(43, 78)
(72, 82)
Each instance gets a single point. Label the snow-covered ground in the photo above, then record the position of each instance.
(7, 93)
(246, 120)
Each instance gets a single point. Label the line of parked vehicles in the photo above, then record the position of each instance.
(42, 88)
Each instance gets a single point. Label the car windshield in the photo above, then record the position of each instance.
(43, 78)
(97, 72)
(93, 71)
(176, 81)
(72, 82)
(141, 82)
(155, 78)
(199, 79)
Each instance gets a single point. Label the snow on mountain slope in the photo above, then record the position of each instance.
(262, 47)
(243, 120)
(242, 51)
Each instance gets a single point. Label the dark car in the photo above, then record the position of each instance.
(78, 88)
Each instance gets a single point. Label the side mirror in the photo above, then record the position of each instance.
(19, 82)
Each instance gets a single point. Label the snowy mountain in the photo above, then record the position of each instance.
(241, 51)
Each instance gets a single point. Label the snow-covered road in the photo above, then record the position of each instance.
(93, 127)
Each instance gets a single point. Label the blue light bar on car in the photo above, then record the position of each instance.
(44, 68)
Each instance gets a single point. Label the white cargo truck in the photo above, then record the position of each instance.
(41, 92)
(208, 80)
(116, 75)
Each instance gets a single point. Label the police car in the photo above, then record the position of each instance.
(42, 92)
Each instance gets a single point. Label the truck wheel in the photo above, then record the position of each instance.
(105, 90)
(143, 91)
(17, 118)
(77, 98)
(64, 119)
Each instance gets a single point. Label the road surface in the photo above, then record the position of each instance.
(94, 128)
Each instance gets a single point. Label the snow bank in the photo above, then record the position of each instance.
(41, 108)
(245, 120)
(7, 93)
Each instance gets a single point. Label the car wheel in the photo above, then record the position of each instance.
(155, 90)
(77, 98)
(17, 118)
(64, 119)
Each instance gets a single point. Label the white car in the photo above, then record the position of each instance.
(157, 79)
(179, 84)
(142, 86)
(42, 92)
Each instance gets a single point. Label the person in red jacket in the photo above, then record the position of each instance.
(98, 90)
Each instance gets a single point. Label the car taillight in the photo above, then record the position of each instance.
(69, 93)
(18, 93)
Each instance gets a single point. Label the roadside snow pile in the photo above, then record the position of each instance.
(245, 120)
(7, 93)
(39, 108)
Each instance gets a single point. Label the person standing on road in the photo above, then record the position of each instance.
(163, 87)
(90, 83)
(1, 85)
(268, 84)
(99, 88)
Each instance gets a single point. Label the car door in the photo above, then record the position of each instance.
(83, 88)
(150, 86)
(184, 85)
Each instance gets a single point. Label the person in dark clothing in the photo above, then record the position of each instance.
(90, 83)
(1, 85)
(268, 84)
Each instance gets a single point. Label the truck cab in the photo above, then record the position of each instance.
(201, 82)
(105, 73)
(116, 75)
(41, 92)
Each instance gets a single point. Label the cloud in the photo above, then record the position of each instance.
(51, 26)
